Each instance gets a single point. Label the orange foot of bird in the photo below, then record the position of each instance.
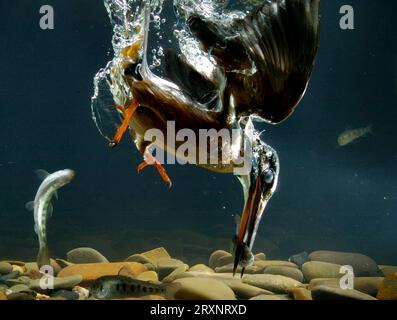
(128, 113)
(151, 160)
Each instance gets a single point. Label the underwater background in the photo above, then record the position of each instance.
(328, 198)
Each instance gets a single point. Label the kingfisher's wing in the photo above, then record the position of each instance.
(192, 83)
(278, 43)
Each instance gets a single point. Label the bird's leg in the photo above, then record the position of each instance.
(128, 113)
(149, 159)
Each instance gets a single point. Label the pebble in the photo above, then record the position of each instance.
(316, 269)
(148, 276)
(218, 258)
(127, 271)
(388, 270)
(16, 262)
(83, 293)
(151, 256)
(300, 258)
(12, 275)
(209, 275)
(300, 293)
(5, 268)
(21, 280)
(68, 295)
(85, 255)
(58, 283)
(271, 297)
(32, 266)
(203, 289)
(245, 291)
(175, 274)
(93, 271)
(20, 288)
(201, 268)
(138, 258)
(22, 296)
(260, 257)
(248, 270)
(363, 266)
(286, 272)
(368, 285)
(149, 297)
(63, 263)
(322, 292)
(167, 265)
(275, 263)
(273, 283)
(20, 269)
(388, 289)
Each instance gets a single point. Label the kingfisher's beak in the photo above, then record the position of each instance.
(263, 182)
(248, 224)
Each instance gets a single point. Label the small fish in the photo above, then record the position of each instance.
(348, 136)
(42, 207)
(117, 287)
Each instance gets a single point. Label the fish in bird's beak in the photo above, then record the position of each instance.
(259, 186)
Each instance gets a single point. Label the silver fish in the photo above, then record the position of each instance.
(348, 136)
(42, 207)
(116, 287)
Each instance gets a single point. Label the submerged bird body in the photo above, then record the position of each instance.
(42, 207)
(263, 63)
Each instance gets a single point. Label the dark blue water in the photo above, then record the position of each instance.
(328, 197)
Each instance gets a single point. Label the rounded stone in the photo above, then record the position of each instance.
(203, 289)
(245, 291)
(21, 280)
(32, 266)
(175, 274)
(300, 294)
(289, 272)
(92, 271)
(151, 256)
(255, 268)
(85, 255)
(201, 268)
(271, 297)
(363, 265)
(218, 257)
(58, 283)
(138, 258)
(300, 258)
(148, 276)
(20, 288)
(367, 285)
(388, 270)
(22, 296)
(3, 296)
(330, 293)
(388, 289)
(6, 277)
(273, 283)
(167, 265)
(275, 263)
(127, 271)
(83, 293)
(260, 257)
(316, 269)
(68, 295)
(5, 268)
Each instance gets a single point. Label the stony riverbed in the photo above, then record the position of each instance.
(314, 276)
